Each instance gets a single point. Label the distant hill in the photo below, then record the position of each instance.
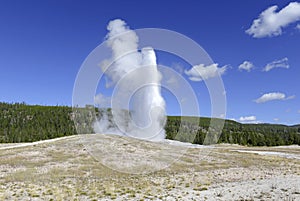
(237, 133)
(296, 126)
(26, 123)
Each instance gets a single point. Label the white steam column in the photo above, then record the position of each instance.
(148, 104)
(138, 109)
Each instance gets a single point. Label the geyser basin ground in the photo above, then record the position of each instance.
(64, 170)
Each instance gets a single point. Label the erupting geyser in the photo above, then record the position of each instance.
(138, 109)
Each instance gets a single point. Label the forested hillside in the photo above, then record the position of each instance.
(237, 133)
(26, 123)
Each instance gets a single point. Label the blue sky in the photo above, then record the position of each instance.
(43, 44)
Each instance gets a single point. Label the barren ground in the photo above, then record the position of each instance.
(106, 167)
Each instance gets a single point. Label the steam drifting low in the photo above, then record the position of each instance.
(137, 107)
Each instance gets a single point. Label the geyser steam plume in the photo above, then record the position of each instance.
(138, 109)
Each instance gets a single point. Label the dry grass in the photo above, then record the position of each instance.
(65, 170)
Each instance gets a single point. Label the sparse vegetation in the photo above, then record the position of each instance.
(63, 170)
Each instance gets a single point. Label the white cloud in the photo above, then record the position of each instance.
(201, 72)
(246, 65)
(276, 119)
(178, 67)
(102, 100)
(248, 118)
(222, 116)
(273, 96)
(298, 26)
(270, 23)
(282, 63)
(171, 81)
(290, 97)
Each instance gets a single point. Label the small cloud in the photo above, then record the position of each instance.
(298, 26)
(276, 119)
(248, 118)
(172, 81)
(246, 65)
(273, 96)
(183, 100)
(171, 78)
(178, 67)
(282, 63)
(299, 111)
(222, 116)
(270, 23)
(102, 100)
(290, 97)
(201, 72)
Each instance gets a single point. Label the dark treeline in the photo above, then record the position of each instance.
(26, 123)
(233, 132)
